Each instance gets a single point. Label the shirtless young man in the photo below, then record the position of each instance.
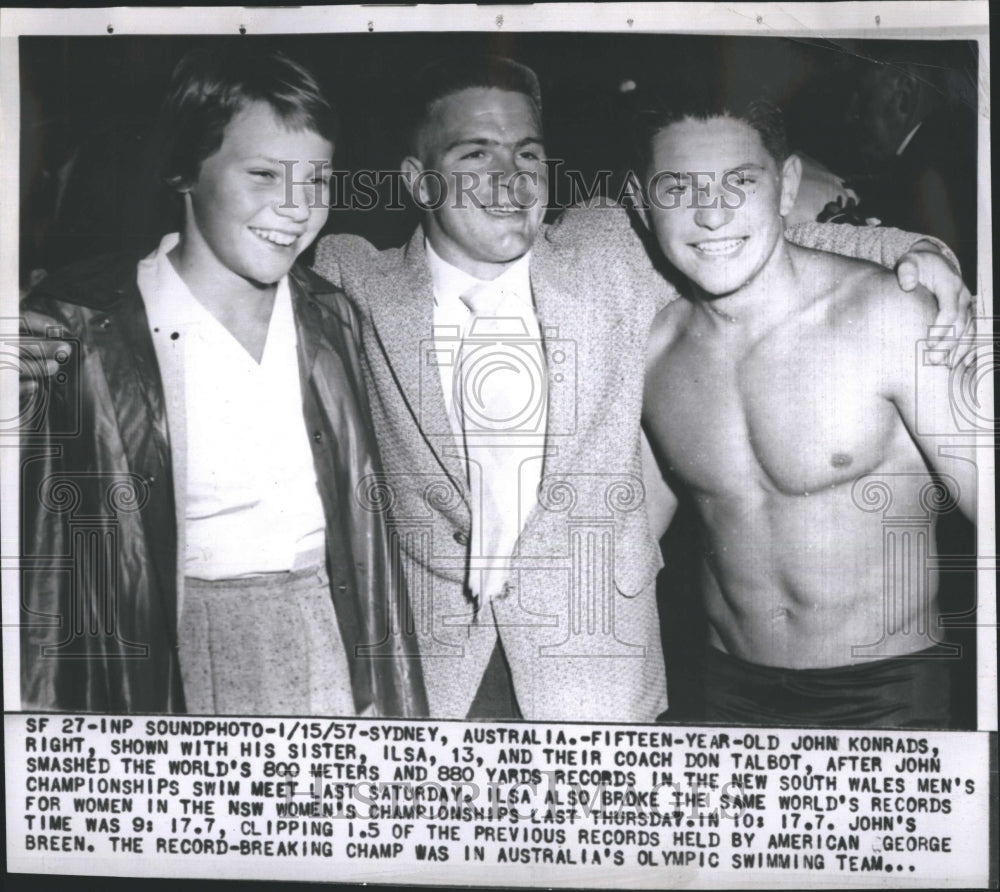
(780, 390)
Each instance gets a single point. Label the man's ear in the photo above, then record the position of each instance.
(411, 168)
(791, 179)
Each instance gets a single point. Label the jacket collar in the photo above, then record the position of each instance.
(557, 299)
(403, 317)
(311, 296)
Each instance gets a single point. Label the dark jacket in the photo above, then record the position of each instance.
(98, 515)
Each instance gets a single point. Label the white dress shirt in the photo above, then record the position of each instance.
(252, 504)
(512, 492)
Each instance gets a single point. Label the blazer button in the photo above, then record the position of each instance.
(317, 436)
(461, 538)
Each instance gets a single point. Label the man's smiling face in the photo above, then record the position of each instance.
(483, 147)
(722, 234)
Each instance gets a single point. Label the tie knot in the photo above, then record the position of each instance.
(482, 300)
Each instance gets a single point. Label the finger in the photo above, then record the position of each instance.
(979, 302)
(950, 318)
(966, 303)
(962, 313)
(955, 348)
(941, 347)
(964, 354)
(907, 275)
(966, 310)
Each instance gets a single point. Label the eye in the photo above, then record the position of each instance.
(474, 155)
(531, 155)
(263, 174)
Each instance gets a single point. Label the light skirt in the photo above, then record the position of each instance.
(264, 645)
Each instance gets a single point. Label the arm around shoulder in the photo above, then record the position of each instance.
(883, 245)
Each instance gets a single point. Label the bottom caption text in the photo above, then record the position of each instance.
(495, 804)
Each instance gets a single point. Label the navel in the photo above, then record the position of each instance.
(840, 459)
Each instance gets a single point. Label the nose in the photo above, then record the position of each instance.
(295, 205)
(516, 181)
(504, 171)
(714, 216)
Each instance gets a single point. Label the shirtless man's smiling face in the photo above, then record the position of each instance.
(716, 201)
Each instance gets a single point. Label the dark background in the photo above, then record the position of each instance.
(92, 99)
(87, 104)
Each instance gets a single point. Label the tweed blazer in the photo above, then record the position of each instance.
(579, 624)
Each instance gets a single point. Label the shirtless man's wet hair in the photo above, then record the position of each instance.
(781, 394)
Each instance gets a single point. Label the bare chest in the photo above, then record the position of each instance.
(794, 416)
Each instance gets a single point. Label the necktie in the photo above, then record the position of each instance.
(500, 399)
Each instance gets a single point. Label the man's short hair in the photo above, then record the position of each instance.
(687, 101)
(209, 88)
(447, 76)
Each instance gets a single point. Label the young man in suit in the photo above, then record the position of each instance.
(504, 365)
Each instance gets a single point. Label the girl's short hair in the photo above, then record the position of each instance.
(209, 88)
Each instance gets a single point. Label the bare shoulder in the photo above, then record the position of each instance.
(869, 318)
(666, 328)
(870, 298)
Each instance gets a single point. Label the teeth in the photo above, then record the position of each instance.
(275, 237)
(727, 246)
(502, 211)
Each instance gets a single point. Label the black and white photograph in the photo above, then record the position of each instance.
(510, 446)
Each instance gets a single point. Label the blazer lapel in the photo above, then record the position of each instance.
(403, 314)
(560, 347)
